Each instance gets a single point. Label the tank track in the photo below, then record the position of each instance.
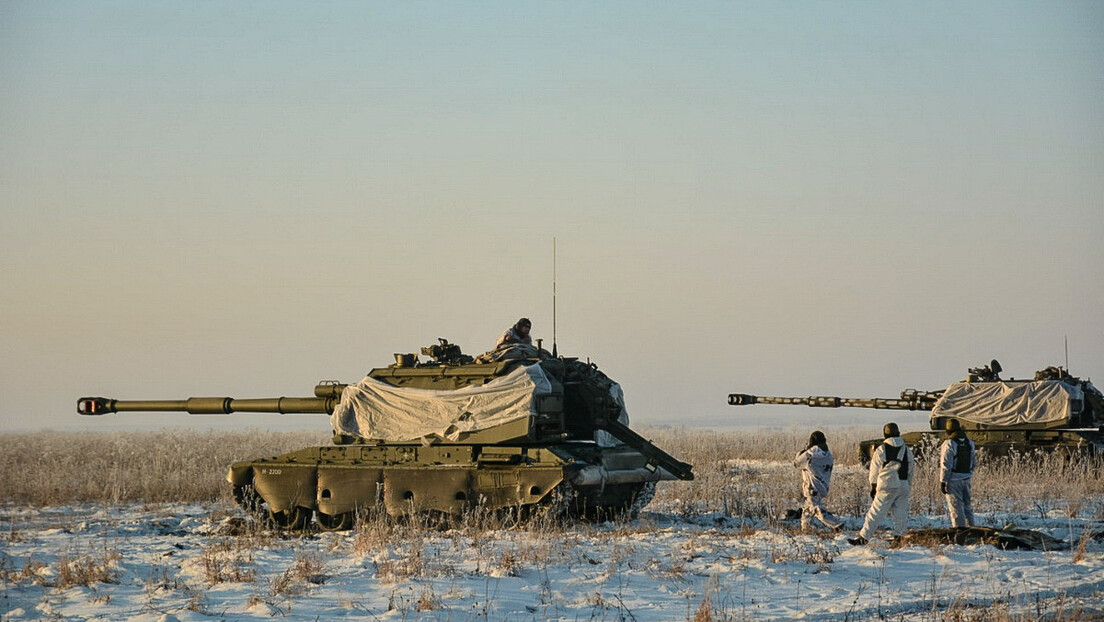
(564, 503)
(295, 519)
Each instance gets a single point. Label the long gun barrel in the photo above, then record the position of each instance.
(326, 396)
(909, 400)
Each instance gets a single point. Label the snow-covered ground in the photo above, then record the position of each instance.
(191, 562)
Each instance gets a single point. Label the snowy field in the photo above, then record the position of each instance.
(204, 561)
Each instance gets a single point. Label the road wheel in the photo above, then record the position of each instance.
(293, 519)
(338, 522)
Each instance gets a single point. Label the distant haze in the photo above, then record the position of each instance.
(839, 198)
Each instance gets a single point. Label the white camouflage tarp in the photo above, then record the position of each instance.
(1045, 402)
(377, 410)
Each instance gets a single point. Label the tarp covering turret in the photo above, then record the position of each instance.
(372, 409)
(1046, 403)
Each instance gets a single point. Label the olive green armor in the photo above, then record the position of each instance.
(565, 450)
(1053, 411)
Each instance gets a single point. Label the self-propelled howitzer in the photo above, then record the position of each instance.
(517, 430)
(1054, 411)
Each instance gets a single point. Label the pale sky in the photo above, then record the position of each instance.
(841, 198)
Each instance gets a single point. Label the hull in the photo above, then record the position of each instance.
(336, 484)
(1005, 442)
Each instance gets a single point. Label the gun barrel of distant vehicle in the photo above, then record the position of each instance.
(918, 401)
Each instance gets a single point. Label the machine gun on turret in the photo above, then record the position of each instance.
(445, 353)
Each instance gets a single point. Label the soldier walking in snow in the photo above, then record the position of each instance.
(816, 462)
(956, 467)
(891, 470)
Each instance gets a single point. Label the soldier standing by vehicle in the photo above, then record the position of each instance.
(816, 462)
(891, 470)
(957, 459)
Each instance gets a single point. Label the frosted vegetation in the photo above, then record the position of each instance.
(744, 474)
(141, 526)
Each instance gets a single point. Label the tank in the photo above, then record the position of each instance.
(1053, 411)
(516, 430)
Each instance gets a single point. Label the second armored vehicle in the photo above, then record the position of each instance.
(516, 430)
(1054, 411)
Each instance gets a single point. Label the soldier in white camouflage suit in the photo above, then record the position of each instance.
(816, 462)
(957, 459)
(891, 473)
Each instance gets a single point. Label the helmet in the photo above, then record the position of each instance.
(523, 322)
(952, 426)
(817, 438)
(890, 430)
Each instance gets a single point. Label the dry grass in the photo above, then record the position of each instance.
(86, 570)
(228, 561)
(55, 468)
(67, 571)
(732, 479)
(307, 569)
(748, 474)
(745, 474)
(1001, 612)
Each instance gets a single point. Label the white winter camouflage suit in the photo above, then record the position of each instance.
(959, 505)
(892, 496)
(816, 477)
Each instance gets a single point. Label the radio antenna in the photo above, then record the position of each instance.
(553, 296)
(1066, 338)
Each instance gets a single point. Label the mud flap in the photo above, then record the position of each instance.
(505, 488)
(284, 487)
(454, 491)
(410, 491)
(351, 489)
(536, 486)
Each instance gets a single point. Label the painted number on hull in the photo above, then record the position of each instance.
(271, 471)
